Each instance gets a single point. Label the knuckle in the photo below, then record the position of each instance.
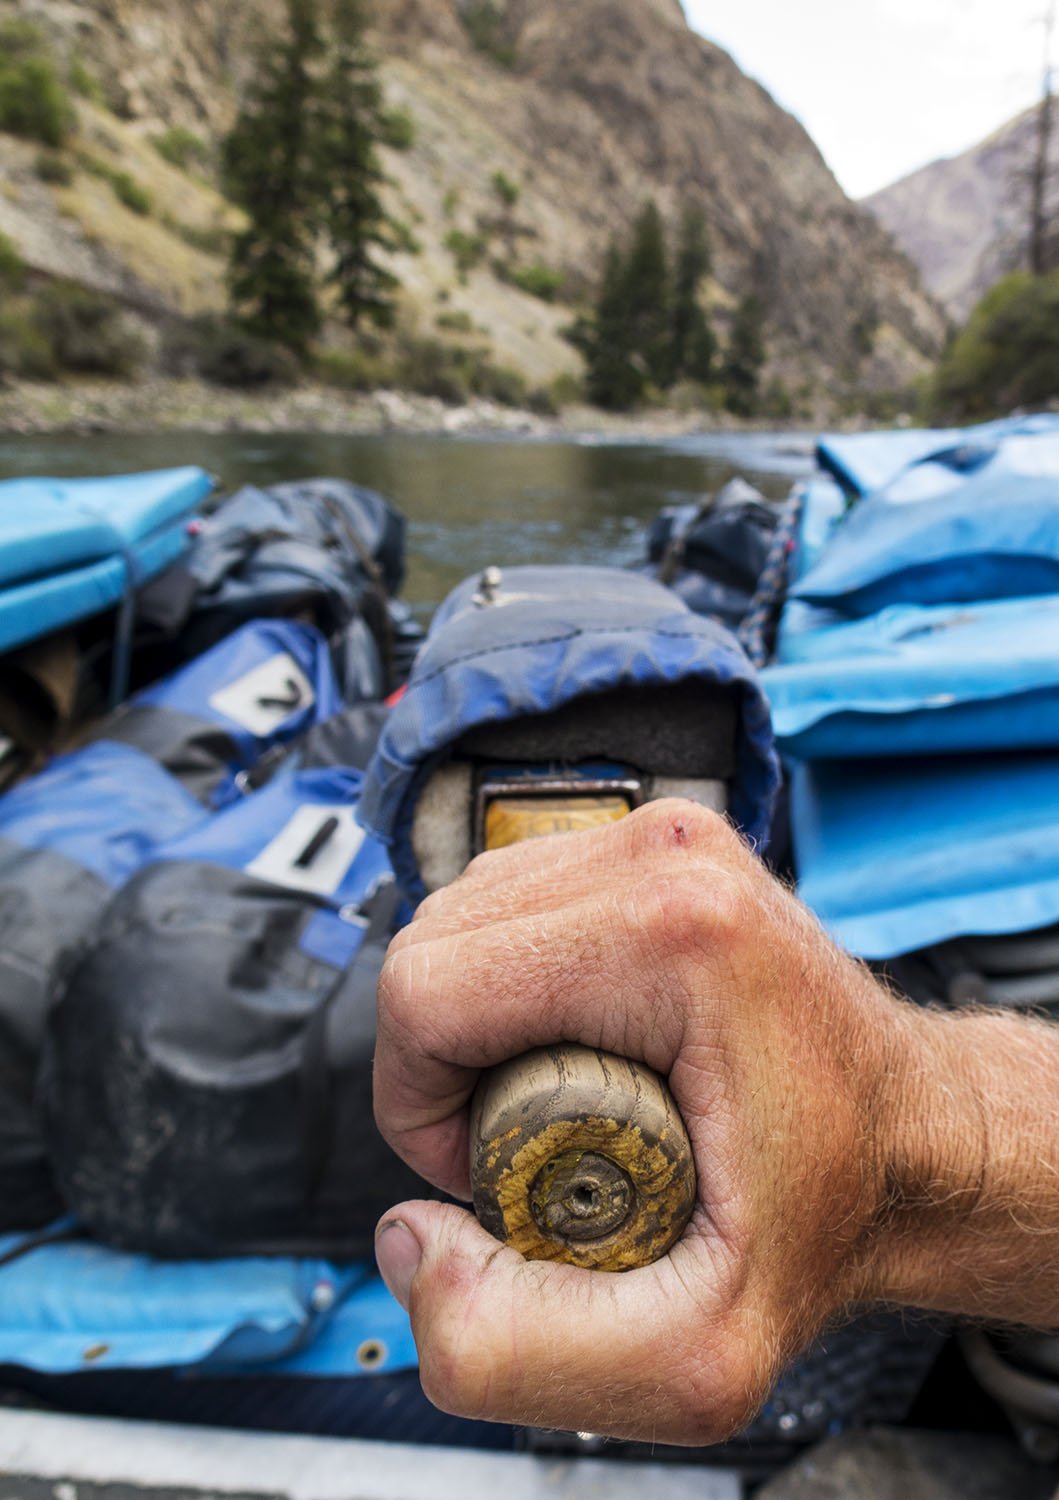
(397, 983)
(482, 865)
(431, 906)
(691, 912)
(674, 824)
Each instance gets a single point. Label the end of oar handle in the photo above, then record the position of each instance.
(580, 1156)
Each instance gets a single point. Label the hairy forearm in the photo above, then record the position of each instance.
(968, 1163)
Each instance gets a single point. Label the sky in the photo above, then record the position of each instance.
(885, 86)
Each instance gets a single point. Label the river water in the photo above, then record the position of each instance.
(469, 502)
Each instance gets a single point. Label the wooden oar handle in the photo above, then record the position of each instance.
(580, 1156)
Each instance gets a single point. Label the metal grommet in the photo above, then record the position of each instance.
(371, 1354)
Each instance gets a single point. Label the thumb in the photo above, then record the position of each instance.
(645, 1354)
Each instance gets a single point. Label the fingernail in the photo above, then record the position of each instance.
(398, 1253)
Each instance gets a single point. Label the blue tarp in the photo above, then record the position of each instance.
(864, 461)
(926, 620)
(896, 855)
(70, 548)
(980, 521)
(77, 1306)
(918, 681)
(553, 635)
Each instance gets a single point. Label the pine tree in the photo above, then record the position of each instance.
(615, 377)
(745, 356)
(648, 296)
(267, 167)
(694, 346)
(349, 120)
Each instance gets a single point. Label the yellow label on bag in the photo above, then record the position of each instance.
(511, 820)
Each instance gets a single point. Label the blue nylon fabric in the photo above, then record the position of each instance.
(823, 506)
(971, 523)
(237, 834)
(77, 1306)
(913, 680)
(555, 634)
(896, 855)
(106, 807)
(190, 689)
(864, 461)
(34, 609)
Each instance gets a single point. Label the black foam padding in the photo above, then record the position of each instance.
(686, 730)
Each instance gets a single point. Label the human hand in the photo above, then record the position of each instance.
(830, 1171)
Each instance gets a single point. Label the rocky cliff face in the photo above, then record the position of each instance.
(964, 220)
(597, 105)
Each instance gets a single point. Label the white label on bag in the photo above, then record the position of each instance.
(324, 839)
(266, 697)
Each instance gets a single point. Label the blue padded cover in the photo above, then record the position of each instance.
(896, 855)
(913, 680)
(72, 547)
(77, 1306)
(31, 610)
(49, 525)
(865, 461)
(978, 521)
(555, 634)
(105, 807)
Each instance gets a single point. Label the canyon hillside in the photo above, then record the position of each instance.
(588, 107)
(964, 220)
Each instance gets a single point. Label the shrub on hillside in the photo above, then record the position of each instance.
(398, 129)
(122, 184)
(1007, 355)
(25, 352)
(53, 166)
(132, 193)
(486, 25)
(181, 148)
(12, 266)
(507, 191)
(87, 332)
(467, 250)
(353, 369)
(453, 373)
(33, 101)
(499, 383)
(221, 352)
(457, 321)
(84, 82)
(538, 280)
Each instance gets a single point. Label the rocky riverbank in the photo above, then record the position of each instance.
(157, 405)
